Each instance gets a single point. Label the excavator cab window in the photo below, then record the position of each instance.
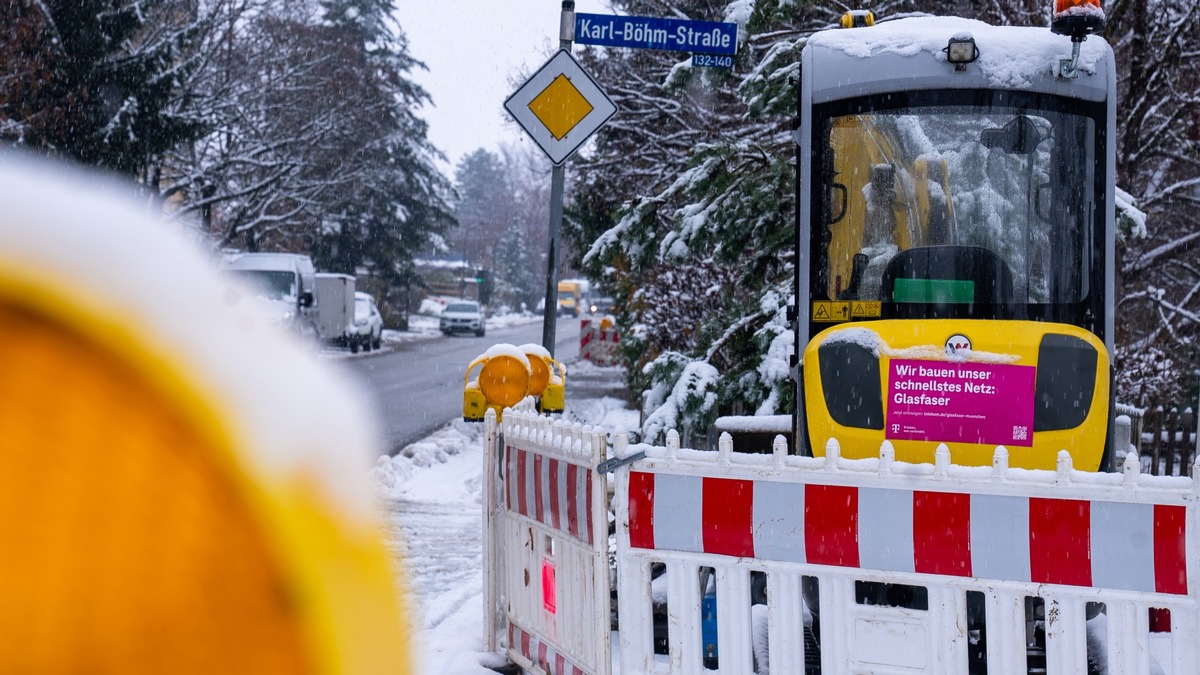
(958, 204)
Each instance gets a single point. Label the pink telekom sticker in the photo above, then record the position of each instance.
(548, 585)
(944, 402)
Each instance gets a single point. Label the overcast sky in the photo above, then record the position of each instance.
(478, 52)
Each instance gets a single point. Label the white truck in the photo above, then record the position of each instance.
(285, 287)
(335, 308)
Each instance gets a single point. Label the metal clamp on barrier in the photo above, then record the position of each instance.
(611, 465)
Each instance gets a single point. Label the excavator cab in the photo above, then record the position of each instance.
(956, 244)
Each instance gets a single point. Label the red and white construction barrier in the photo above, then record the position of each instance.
(1043, 540)
(546, 572)
(1124, 546)
(598, 343)
(1012, 566)
(554, 492)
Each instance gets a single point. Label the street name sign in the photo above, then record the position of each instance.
(560, 106)
(643, 32)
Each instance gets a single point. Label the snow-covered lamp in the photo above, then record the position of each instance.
(858, 18)
(961, 50)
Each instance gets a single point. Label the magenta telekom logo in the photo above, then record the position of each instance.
(957, 343)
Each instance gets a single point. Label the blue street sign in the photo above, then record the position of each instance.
(643, 32)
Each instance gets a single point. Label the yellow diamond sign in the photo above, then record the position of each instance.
(560, 106)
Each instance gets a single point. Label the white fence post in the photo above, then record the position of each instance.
(684, 637)
(492, 561)
(733, 619)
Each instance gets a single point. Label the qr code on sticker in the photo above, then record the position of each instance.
(1020, 433)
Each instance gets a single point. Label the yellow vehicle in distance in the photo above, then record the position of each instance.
(570, 297)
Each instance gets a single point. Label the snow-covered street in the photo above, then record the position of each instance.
(431, 494)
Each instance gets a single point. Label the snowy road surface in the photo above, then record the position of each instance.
(431, 492)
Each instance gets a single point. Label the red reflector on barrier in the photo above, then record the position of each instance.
(548, 598)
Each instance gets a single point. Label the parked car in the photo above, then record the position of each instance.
(368, 324)
(462, 317)
(602, 305)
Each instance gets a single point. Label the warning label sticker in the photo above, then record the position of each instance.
(829, 311)
(865, 309)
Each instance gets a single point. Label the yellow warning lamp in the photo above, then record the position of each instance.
(539, 365)
(858, 18)
(548, 379)
(553, 399)
(179, 490)
(475, 404)
(503, 381)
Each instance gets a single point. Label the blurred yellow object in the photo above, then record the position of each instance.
(150, 523)
(136, 549)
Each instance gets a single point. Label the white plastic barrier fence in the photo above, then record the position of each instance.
(598, 345)
(546, 524)
(788, 564)
(885, 567)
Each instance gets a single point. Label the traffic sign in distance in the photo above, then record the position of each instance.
(560, 106)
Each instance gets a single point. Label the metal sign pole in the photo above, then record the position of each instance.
(566, 35)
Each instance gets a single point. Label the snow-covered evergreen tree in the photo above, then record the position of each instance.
(105, 74)
(397, 204)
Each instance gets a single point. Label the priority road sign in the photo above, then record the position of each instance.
(560, 106)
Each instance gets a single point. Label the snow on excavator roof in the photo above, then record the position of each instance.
(1010, 57)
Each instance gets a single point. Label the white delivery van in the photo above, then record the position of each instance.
(285, 283)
